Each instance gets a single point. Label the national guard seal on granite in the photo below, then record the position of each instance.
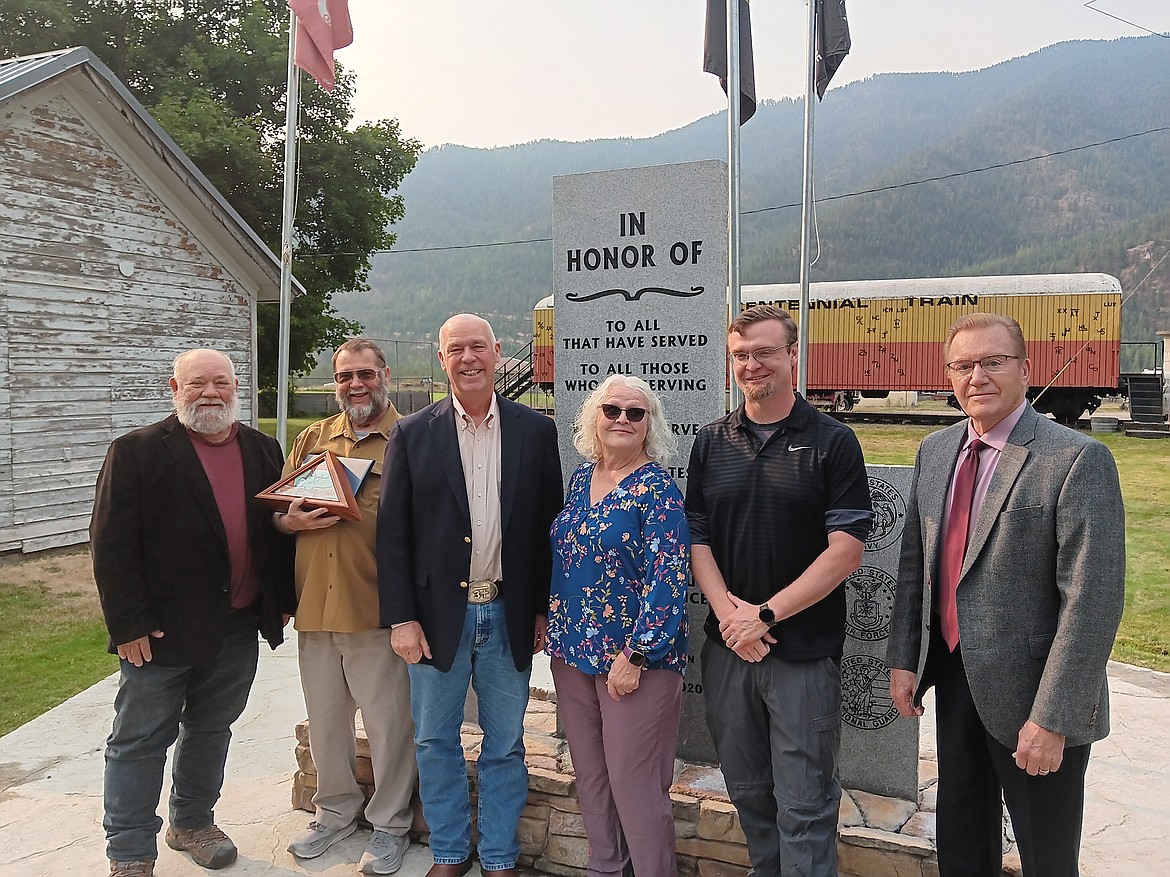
(865, 693)
(889, 514)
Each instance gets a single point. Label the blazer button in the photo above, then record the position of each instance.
(463, 584)
(467, 539)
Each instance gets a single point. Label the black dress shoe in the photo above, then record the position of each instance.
(457, 870)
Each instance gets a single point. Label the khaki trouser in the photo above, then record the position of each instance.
(342, 672)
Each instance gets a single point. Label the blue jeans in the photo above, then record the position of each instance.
(154, 707)
(484, 658)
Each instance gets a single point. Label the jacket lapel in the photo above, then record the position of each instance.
(938, 474)
(447, 449)
(1007, 470)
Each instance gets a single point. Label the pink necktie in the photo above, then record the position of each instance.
(955, 544)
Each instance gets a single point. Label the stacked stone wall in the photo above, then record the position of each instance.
(878, 836)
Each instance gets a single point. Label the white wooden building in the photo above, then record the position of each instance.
(116, 254)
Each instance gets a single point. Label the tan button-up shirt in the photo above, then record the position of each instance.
(336, 568)
(479, 451)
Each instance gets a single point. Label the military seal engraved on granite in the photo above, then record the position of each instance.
(865, 693)
(889, 514)
(869, 594)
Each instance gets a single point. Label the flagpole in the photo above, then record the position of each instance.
(286, 235)
(733, 113)
(806, 205)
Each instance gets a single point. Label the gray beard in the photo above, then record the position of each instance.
(207, 419)
(362, 414)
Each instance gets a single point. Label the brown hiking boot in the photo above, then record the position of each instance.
(143, 868)
(208, 846)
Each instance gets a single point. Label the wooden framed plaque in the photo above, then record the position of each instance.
(322, 481)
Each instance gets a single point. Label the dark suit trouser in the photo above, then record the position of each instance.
(974, 769)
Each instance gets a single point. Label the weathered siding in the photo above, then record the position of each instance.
(102, 282)
(6, 500)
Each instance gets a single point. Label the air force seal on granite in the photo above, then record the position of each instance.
(869, 598)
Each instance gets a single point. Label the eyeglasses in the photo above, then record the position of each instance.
(993, 364)
(761, 355)
(613, 412)
(362, 374)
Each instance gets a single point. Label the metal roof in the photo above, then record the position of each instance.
(20, 75)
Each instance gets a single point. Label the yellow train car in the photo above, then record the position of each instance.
(873, 337)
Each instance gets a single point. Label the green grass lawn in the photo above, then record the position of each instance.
(1143, 466)
(52, 640)
(295, 425)
(1144, 469)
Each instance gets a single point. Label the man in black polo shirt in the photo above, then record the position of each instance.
(778, 505)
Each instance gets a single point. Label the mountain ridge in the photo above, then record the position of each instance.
(1087, 206)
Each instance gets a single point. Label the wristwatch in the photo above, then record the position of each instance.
(767, 615)
(636, 659)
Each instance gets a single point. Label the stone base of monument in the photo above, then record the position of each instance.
(878, 836)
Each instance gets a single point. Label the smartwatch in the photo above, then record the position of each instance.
(767, 615)
(636, 659)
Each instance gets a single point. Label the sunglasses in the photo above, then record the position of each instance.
(613, 412)
(362, 374)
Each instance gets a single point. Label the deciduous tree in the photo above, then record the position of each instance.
(212, 72)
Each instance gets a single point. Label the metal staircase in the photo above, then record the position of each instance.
(514, 377)
(1145, 398)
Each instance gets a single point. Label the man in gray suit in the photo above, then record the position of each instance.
(1014, 557)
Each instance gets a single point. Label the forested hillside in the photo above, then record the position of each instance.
(1093, 208)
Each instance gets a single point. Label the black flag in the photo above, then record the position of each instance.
(715, 53)
(832, 41)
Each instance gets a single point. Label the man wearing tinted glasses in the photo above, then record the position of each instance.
(779, 509)
(345, 657)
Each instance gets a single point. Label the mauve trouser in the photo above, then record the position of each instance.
(623, 754)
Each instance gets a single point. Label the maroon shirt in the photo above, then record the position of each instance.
(224, 466)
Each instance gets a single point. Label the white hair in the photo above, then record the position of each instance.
(661, 443)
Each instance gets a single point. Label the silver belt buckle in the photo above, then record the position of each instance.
(482, 592)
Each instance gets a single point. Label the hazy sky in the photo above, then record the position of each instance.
(498, 72)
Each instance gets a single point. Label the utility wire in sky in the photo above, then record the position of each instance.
(966, 173)
(826, 199)
(1092, 4)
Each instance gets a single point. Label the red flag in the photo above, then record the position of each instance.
(322, 26)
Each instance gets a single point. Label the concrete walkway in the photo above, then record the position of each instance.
(51, 787)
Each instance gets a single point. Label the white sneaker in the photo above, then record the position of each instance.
(318, 839)
(384, 853)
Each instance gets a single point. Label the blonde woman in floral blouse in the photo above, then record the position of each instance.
(617, 629)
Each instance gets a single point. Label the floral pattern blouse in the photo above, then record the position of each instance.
(621, 569)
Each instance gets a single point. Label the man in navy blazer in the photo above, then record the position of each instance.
(1020, 624)
(189, 567)
(470, 487)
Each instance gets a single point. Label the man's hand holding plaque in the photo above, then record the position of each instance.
(324, 482)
